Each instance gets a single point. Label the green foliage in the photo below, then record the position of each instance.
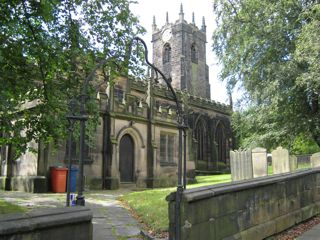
(307, 52)
(303, 145)
(47, 50)
(271, 49)
(223, 167)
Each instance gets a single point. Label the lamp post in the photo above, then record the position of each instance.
(182, 127)
(82, 117)
(72, 117)
(71, 121)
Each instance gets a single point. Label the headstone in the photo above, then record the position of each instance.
(315, 160)
(247, 173)
(235, 162)
(241, 165)
(232, 164)
(280, 160)
(293, 162)
(259, 162)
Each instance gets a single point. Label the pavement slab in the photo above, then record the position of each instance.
(312, 234)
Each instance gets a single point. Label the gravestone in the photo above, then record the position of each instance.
(241, 165)
(315, 160)
(232, 164)
(293, 162)
(280, 160)
(259, 162)
(248, 173)
(235, 166)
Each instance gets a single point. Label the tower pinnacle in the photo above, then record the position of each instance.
(181, 14)
(154, 25)
(203, 27)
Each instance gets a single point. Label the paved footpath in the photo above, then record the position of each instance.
(312, 234)
(111, 221)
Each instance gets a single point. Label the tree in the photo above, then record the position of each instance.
(47, 49)
(271, 48)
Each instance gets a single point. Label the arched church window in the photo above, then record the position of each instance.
(166, 53)
(166, 148)
(194, 57)
(202, 141)
(221, 142)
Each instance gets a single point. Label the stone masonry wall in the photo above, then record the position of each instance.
(251, 209)
(48, 224)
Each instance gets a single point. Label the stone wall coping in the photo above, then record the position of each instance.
(44, 218)
(28, 177)
(200, 193)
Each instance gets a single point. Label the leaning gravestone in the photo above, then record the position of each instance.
(293, 162)
(315, 160)
(280, 160)
(259, 162)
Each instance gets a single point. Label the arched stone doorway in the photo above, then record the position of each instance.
(126, 159)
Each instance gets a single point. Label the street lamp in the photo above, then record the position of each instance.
(182, 127)
(82, 117)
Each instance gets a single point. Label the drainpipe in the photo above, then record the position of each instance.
(149, 137)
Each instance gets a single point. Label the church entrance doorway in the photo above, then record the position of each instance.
(126, 165)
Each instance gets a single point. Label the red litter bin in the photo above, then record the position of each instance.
(58, 179)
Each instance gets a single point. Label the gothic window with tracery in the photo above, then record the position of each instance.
(221, 143)
(202, 141)
(166, 53)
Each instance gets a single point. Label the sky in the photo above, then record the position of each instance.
(146, 9)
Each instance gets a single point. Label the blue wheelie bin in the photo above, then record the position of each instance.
(73, 179)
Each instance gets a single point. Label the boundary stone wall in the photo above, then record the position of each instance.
(251, 209)
(48, 224)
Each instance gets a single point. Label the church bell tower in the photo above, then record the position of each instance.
(179, 50)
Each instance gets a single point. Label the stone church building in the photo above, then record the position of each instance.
(137, 138)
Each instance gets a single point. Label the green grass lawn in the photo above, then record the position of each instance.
(304, 165)
(299, 167)
(151, 206)
(6, 207)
